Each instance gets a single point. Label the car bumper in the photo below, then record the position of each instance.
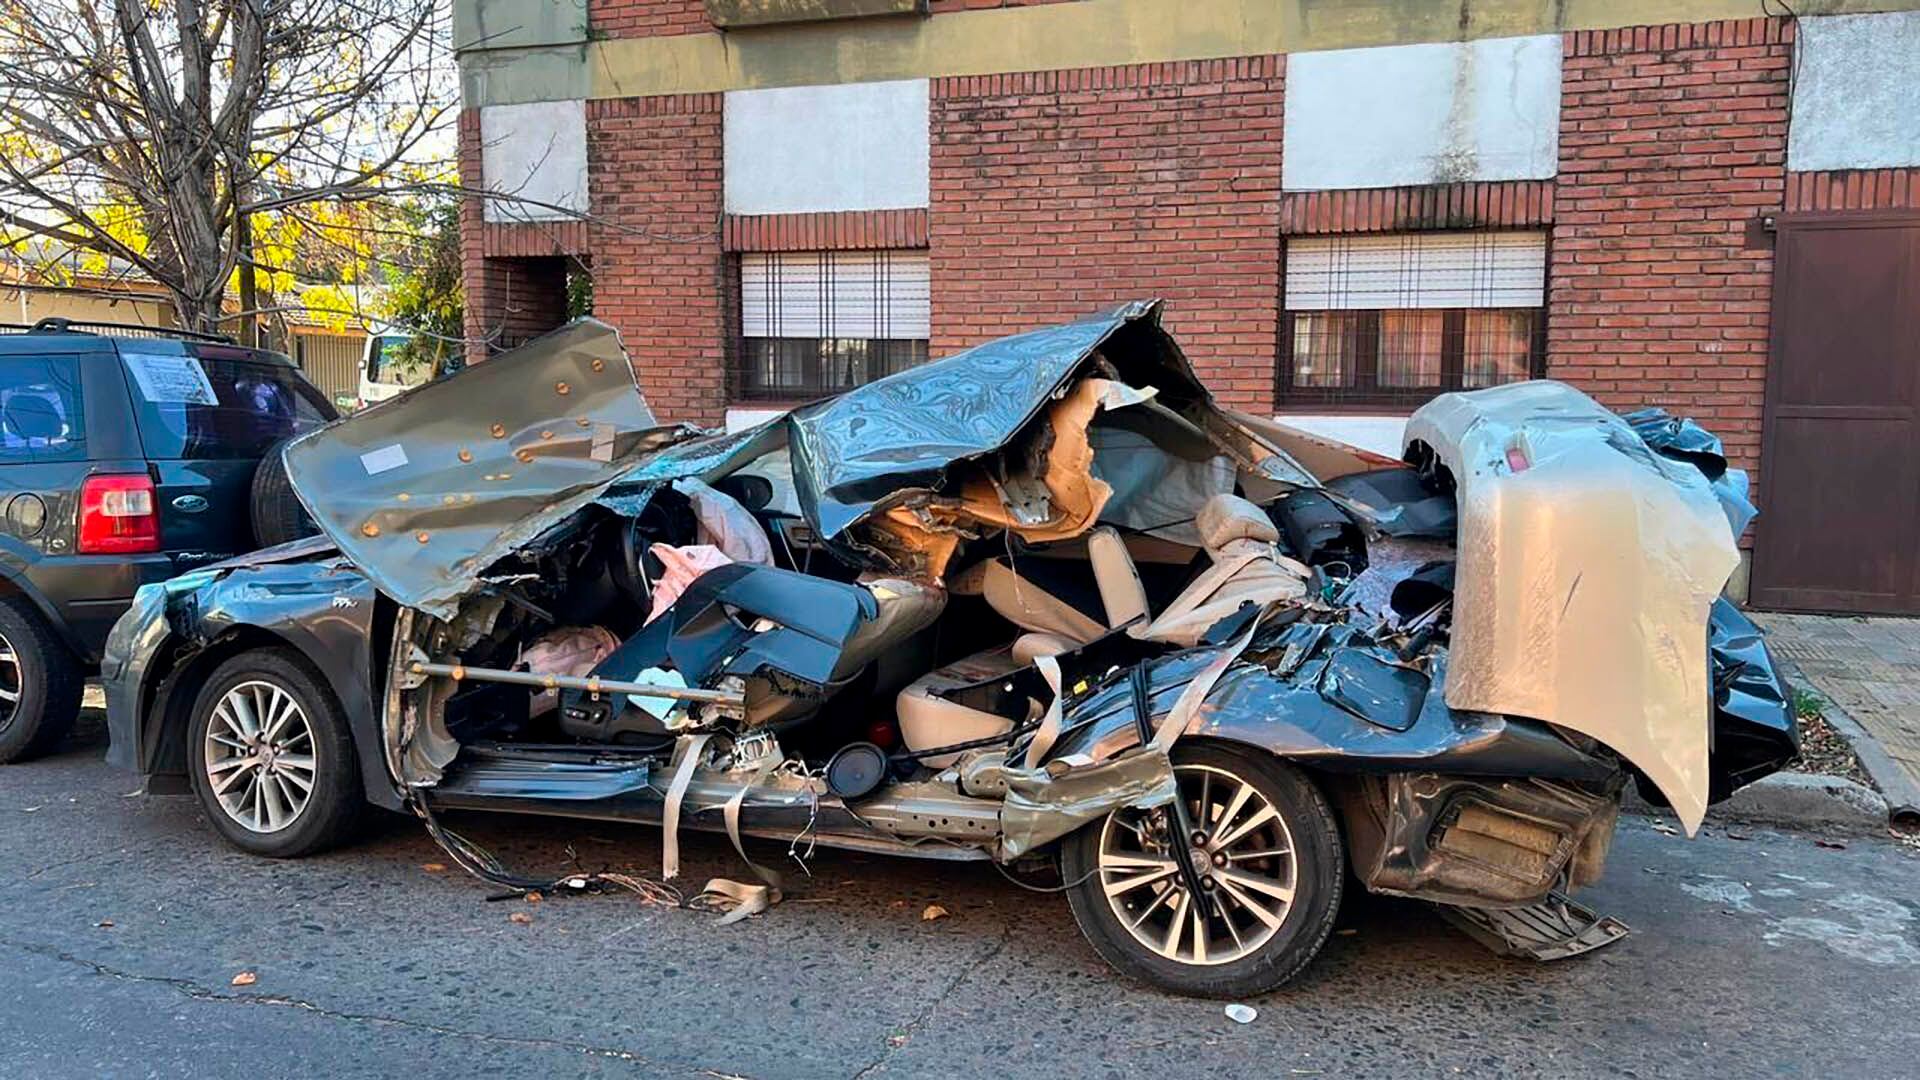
(88, 593)
(126, 658)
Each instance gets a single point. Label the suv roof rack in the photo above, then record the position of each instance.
(55, 325)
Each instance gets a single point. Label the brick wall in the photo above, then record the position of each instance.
(647, 18)
(1854, 189)
(1672, 146)
(1055, 193)
(655, 178)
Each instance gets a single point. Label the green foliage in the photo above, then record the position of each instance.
(424, 297)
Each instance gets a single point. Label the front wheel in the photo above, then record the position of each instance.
(1268, 854)
(272, 757)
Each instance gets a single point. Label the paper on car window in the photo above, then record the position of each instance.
(171, 379)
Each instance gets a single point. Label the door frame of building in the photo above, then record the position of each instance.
(1783, 225)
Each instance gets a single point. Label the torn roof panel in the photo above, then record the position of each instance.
(426, 490)
(902, 432)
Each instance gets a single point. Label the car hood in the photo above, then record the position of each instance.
(424, 491)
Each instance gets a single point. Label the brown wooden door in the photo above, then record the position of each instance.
(1839, 528)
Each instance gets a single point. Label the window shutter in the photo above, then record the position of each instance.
(1417, 270)
(836, 294)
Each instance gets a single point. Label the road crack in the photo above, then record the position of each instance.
(201, 992)
(901, 1037)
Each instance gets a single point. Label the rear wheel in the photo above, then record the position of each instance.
(1268, 855)
(272, 758)
(278, 516)
(40, 683)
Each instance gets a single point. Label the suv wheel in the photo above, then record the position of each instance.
(1268, 853)
(40, 683)
(271, 757)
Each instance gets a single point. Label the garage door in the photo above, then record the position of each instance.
(1839, 528)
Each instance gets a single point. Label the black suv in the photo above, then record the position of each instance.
(127, 456)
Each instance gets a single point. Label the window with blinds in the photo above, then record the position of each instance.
(1396, 319)
(816, 323)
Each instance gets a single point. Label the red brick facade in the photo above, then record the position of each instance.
(1087, 187)
(1856, 189)
(1484, 205)
(1672, 147)
(647, 18)
(1055, 192)
(658, 273)
(853, 230)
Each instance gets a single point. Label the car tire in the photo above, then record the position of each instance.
(278, 516)
(43, 676)
(248, 756)
(1261, 949)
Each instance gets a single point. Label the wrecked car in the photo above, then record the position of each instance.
(1042, 601)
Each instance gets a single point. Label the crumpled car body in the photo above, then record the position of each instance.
(1004, 601)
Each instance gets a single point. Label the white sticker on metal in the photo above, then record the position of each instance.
(385, 459)
(602, 448)
(171, 379)
(658, 706)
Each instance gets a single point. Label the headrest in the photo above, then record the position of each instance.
(1225, 518)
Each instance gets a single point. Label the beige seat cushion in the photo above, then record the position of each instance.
(1247, 568)
(1027, 647)
(928, 721)
(1030, 607)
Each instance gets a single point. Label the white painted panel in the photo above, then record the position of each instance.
(1417, 270)
(741, 418)
(860, 146)
(1380, 434)
(536, 152)
(836, 294)
(1423, 114)
(1856, 93)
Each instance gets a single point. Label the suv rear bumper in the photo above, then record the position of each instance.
(84, 595)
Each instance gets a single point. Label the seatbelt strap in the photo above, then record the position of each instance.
(731, 815)
(1049, 732)
(691, 748)
(1187, 706)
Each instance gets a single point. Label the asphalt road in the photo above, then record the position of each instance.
(123, 923)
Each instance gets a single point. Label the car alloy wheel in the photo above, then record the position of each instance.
(1243, 856)
(12, 681)
(259, 756)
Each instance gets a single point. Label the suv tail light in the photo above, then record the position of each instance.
(117, 515)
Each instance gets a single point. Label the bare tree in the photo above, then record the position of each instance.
(165, 133)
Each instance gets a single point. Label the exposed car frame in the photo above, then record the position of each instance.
(1263, 704)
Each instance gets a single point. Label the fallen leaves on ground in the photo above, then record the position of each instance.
(105, 924)
(434, 867)
(520, 918)
(1836, 845)
(245, 978)
(934, 911)
(534, 897)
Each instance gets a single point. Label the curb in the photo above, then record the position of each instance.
(1902, 793)
(1807, 802)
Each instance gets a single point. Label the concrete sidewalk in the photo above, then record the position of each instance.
(1870, 669)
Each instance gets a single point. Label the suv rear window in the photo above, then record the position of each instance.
(193, 407)
(40, 417)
